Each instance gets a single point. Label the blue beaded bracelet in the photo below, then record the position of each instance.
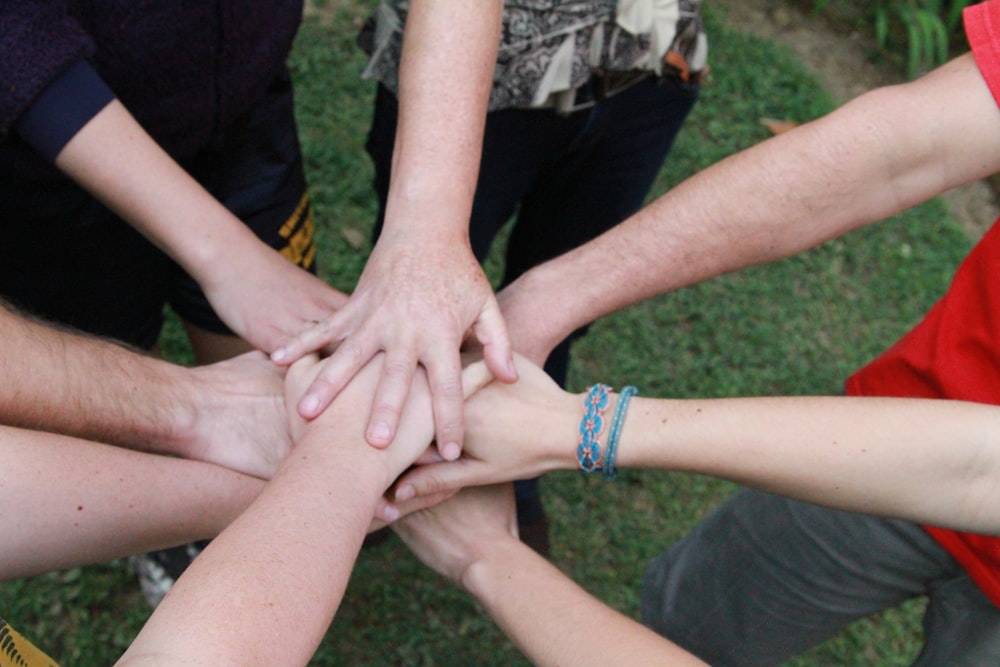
(589, 450)
(610, 471)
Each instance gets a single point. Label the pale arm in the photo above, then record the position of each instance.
(472, 540)
(883, 152)
(265, 590)
(260, 295)
(932, 461)
(422, 292)
(66, 502)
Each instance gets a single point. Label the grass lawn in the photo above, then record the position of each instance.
(795, 327)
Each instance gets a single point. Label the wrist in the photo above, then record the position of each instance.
(175, 400)
(603, 414)
(487, 566)
(535, 316)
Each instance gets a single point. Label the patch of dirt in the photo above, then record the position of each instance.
(842, 64)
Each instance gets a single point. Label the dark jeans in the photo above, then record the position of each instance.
(567, 178)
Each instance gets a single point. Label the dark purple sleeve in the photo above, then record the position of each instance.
(39, 42)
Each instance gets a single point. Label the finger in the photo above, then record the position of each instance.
(390, 397)
(337, 372)
(321, 334)
(386, 512)
(475, 376)
(437, 478)
(429, 456)
(298, 372)
(444, 374)
(424, 502)
(491, 331)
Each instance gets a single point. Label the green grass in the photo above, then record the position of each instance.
(795, 327)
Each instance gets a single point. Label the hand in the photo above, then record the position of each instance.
(387, 511)
(512, 432)
(344, 421)
(239, 419)
(452, 536)
(416, 301)
(266, 299)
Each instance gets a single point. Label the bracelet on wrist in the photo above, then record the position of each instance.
(588, 452)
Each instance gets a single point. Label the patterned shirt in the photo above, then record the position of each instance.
(551, 49)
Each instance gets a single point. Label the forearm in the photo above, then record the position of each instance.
(932, 461)
(68, 502)
(875, 156)
(554, 621)
(114, 158)
(289, 556)
(446, 72)
(49, 384)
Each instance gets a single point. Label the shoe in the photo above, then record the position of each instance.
(158, 570)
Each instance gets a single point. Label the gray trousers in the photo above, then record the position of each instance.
(764, 578)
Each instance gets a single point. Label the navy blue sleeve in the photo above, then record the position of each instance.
(64, 107)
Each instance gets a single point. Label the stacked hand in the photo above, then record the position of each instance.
(513, 431)
(417, 303)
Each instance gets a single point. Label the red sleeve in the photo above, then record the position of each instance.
(982, 26)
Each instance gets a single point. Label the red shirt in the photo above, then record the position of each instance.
(955, 351)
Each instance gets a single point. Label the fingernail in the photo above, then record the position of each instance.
(309, 405)
(390, 513)
(279, 355)
(379, 432)
(511, 368)
(405, 492)
(451, 451)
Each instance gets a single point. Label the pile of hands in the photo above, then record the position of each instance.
(440, 421)
(449, 506)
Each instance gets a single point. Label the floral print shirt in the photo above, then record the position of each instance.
(550, 49)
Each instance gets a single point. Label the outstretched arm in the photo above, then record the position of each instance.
(231, 413)
(472, 540)
(933, 461)
(66, 502)
(885, 151)
(263, 297)
(422, 292)
(289, 556)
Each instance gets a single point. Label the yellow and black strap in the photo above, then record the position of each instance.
(16, 651)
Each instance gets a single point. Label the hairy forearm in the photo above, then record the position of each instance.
(932, 461)
(875, 156)
(69, 383)
(554, 621)
(66, 502)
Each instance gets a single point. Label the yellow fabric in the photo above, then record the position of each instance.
(16, 651)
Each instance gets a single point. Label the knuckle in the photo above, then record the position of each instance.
(352, 352)
(398, 370)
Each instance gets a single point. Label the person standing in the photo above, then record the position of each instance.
(586, 101)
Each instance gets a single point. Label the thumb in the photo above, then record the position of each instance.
(490, 330)
(475, 376)
(437, 478)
